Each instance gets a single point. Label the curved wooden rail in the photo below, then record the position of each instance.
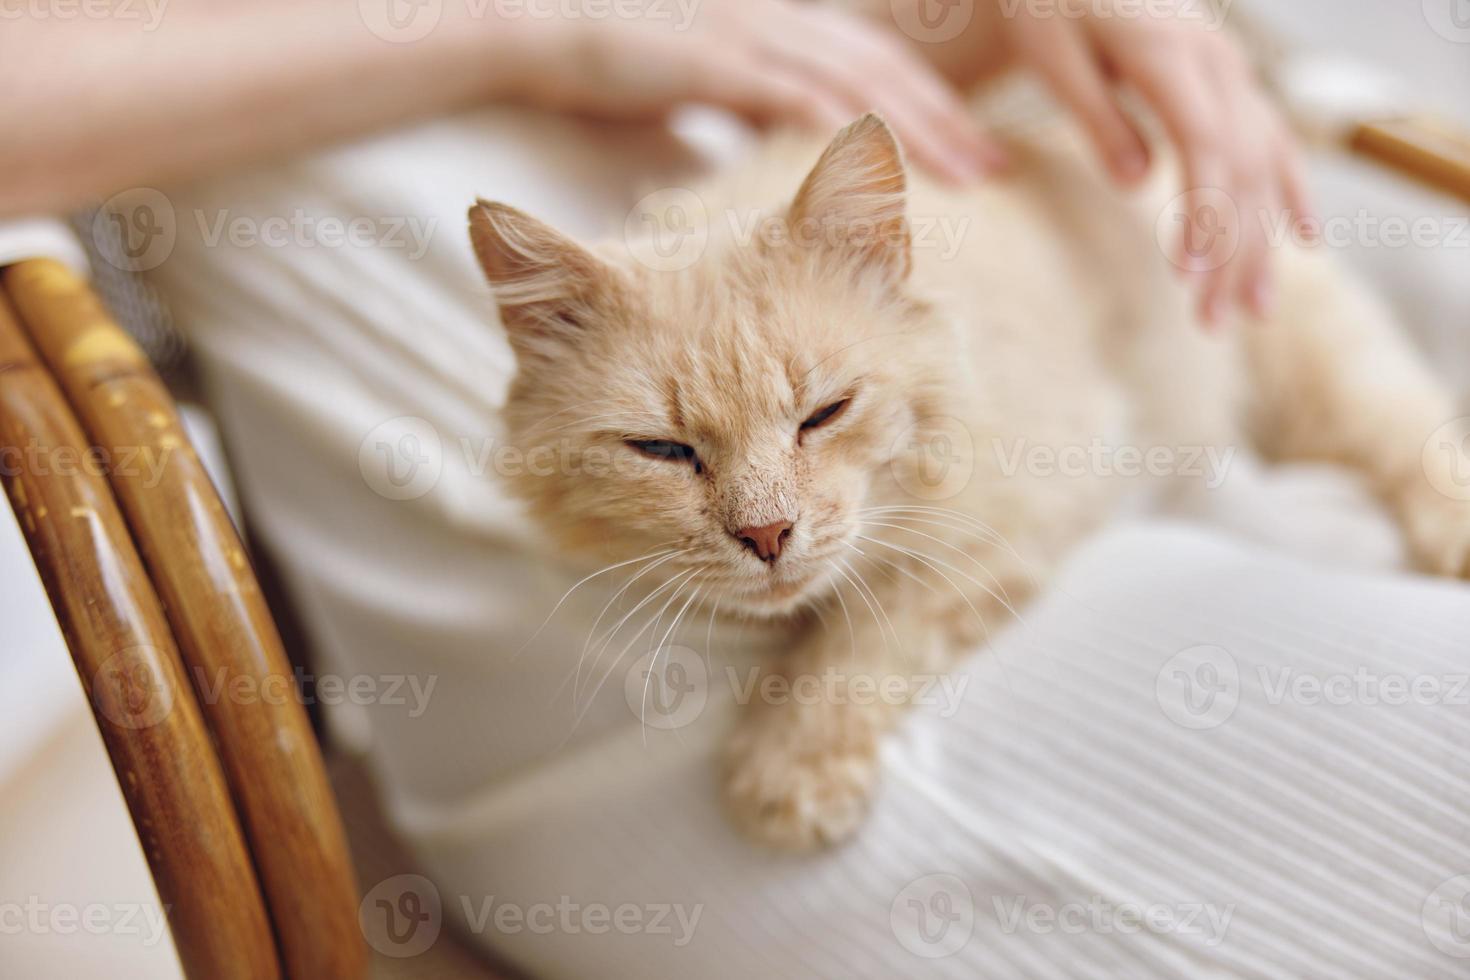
(129, 666)
(1426, 149)
(229, 642)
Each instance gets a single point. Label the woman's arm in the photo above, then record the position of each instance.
(92, 106)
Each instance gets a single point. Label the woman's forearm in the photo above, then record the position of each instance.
(93, 106)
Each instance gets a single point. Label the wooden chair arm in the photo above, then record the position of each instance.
(223, 628)
(1426, 150)
(129, 666)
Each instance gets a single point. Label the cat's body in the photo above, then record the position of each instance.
(888, 433)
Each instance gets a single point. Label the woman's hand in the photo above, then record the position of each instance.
(770, 61)
(1230, 139)
(1228, 136)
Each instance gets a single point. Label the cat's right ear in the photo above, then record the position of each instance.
(855, 197)
(547, 286)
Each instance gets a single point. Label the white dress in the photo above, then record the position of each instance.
(1193, 759)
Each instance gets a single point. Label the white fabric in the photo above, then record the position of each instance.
(41, 238)
(1264, 834)
(1326, 829)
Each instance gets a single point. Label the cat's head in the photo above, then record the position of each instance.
(740, 412)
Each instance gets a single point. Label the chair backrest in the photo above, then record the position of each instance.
(174, 644)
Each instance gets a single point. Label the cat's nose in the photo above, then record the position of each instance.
(767, 540)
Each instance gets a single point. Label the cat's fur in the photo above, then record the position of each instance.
(1058, 322)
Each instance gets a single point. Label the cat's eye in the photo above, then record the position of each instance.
(825, 414)
(666, 449)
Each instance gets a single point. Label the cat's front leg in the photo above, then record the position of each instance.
(802, 766)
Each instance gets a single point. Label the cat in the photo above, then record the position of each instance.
(815, 420)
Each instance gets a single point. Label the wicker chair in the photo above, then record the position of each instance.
(152, 587)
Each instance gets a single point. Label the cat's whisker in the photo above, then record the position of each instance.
(877, 559)
(686, 578)
(958, 571)
(927, 561)
(887, 575)
(842, 604)
(973, 524)
(877, 601)
(567, 595)
(601, 643)
(709, 632)
(607, 638)
(653, 664)
(957, 516)
(940, 517)
(815, 606)
(836, 567)
(591, 632)
(1002, 598)
(849, 573)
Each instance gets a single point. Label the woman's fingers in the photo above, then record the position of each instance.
(1066, 60)
(1206, 106)
(842, 59)
(935, 105)
(1177, 89)
(751, 89)
(1299, 208)
(1257, 176)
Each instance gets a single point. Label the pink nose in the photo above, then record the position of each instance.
(765, 541)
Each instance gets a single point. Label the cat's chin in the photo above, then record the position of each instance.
(778, 597)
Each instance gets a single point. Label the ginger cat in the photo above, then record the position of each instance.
(808, 425)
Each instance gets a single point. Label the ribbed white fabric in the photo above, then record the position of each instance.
(1298, 835)
(1061, 785)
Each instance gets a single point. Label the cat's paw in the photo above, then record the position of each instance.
(1437, 527)
(802, 776)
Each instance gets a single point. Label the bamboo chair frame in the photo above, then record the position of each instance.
(174, 645)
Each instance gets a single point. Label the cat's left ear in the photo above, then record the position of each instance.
(549, 288)
(854, 199)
